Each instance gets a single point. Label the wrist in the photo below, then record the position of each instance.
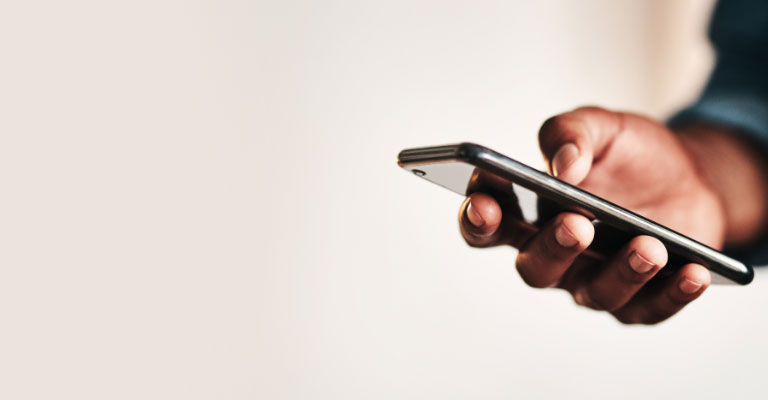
(729, 166)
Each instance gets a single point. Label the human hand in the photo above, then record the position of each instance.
(638, 164)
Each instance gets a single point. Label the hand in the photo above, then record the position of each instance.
(638, 164)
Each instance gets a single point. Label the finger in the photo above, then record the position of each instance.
(675, 293)
(571, 141)
(624, 274)
(479, 220)
(548, 254)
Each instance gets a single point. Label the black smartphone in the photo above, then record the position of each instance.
(536, 197)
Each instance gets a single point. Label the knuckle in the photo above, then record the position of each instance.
(581, 298)
(655, 315)
(641, 316)
(625, 318)
(600, 300)
(675, 300)
(533, 280)
(531, 276)
(565, 122)
(554, 125)
(590, 108)
(473, 244)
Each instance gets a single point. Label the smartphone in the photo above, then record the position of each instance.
(535, 197)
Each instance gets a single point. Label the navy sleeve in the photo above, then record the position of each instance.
(737, 92)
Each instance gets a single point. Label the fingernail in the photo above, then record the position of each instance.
(640, 264)
(474, 217)
(564, 237)
(564, 157)
(689, 287)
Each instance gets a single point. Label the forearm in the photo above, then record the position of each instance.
(737, 172)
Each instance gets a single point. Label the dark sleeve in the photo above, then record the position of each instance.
(737, 92)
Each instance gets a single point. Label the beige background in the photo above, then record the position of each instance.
(200, 201)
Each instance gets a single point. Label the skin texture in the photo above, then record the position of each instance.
(702, 181)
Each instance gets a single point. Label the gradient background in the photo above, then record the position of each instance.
(200, 201)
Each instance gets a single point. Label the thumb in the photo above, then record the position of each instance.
(572, 141)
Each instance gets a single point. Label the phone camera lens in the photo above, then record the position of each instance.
(419, 172)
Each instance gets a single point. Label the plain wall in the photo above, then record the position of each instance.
(200, 201)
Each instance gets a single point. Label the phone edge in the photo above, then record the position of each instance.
(481, 156)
